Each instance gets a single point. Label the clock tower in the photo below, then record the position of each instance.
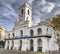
(25, 13)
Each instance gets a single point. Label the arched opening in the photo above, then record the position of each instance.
(47, 31)
(21, 11)
(12, 44)
(39, 31)
(31, 33)
(31, 45)
(27, 19)
(20, 47)
(21, 33)
(13, 34)
(39, 45)
(8, 45)
(28, 12)
(9, 36)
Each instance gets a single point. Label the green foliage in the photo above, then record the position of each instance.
(56, 22)
(2, 43)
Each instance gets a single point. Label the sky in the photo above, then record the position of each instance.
(41, 9)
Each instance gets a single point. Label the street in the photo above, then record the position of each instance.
(3, 51)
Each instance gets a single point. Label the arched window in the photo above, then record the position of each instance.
(22, 11)
(39, 31)
(7, 44)
(39, 45)
(20, 45)
(28, 12)
(21, 33)
(31, 45)
(9, 36)
(31, 33)
(31, 42)
(13, 34)
(47, 29)
(12, 44)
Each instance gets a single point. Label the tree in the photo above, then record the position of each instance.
(2, 43)
(58, 42)
(56, 23)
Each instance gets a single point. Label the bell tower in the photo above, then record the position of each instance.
(25, 13)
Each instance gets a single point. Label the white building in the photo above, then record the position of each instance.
(2, 33)
(25, 36)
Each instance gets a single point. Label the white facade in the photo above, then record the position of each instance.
(2, 33)
(27, 37)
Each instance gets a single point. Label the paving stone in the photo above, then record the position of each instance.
(2, 51)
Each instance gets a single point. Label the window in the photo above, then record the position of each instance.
(39, 31)
(39, 43)
(22, 11)
(21, 33)
(9, 36)
(47, 29)
(28, 12)
(31, 33)
(57, 34)
(13, 34)
(31, 45)
(31, 42)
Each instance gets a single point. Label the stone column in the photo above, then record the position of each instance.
(24, 44)
(6, 44)
(10, 44)
(45, 44)
(28, 44)
(35, 44)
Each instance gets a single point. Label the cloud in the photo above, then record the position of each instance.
(43, 2)
(42, 9)
(57, 12)
(58, 5)
(48, 7)
(8, 15)
(8, 11)
(8, 1)
(30, 1)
